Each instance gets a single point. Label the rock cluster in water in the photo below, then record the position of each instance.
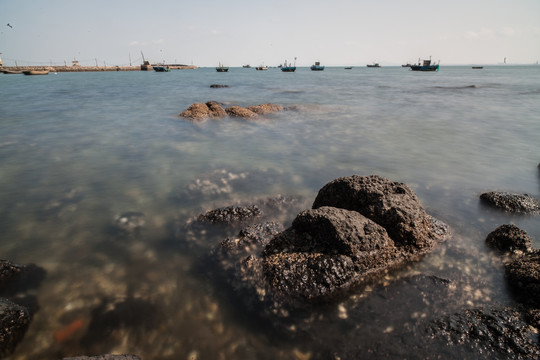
(213, 110)
(503, 332)
(358, 229)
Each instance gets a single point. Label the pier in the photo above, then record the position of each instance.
(96, 68)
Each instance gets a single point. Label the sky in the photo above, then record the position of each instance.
(238, 32)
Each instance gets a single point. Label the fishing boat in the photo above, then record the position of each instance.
(425, 65)
(348, 68)
(160, 68)
(374, 65)
(288, 67)
(35, 72)
(246, 66)
(262, 67)
(222, 68)
(477, 67)
(12, 71)
(317, 66)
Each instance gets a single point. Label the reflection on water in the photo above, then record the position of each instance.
(78, 152)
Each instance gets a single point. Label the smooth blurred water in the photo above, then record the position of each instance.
(79, 149)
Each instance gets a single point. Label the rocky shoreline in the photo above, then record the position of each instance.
(358, 231)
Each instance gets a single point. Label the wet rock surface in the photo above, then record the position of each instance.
(14, 321)
(492, 333)
(265, 108)
(240, 112)
(230, 215)
(509, 238)
(523, 274)
(511, 202)
(18, 303)
(330, 250)
(390, 204)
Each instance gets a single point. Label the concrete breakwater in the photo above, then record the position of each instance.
(94, 68)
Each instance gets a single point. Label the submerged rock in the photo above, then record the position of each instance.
(265, 108)
(523, 275)
(491, 333)
(509, 238)
(511, 202)
(130, 222)
(230, 215)
(14, 321)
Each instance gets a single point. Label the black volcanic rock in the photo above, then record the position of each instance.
(511, 202)
(497, 333)
(14, 321)
(523, 275)
(331, 250)
(509, 238)
(392, 205)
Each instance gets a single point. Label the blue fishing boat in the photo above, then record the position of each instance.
(289, 67)
(317, 66)
(425, 66)
(160, 68)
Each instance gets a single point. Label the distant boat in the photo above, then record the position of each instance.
(348, 68)
(262, 67)
(246, 66)
(12, 71)
(406, 65)
(477, 67)
(35, 72)
(374, 65)
(425, 66)
(288, 67)
(317, 66)
(161, 68)
(222, 68)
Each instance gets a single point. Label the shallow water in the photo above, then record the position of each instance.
(79, 149)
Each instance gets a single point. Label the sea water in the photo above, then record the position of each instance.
(78, 150)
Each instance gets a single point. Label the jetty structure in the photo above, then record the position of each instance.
(76, 67)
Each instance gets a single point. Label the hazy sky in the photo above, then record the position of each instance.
(237, 32)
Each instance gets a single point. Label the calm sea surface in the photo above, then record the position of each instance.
(77, 150)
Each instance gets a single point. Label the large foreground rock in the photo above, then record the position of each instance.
(330, 250)
(390, 204)
(14, 321)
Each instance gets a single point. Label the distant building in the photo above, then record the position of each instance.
(75, 63)
(1, 60)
